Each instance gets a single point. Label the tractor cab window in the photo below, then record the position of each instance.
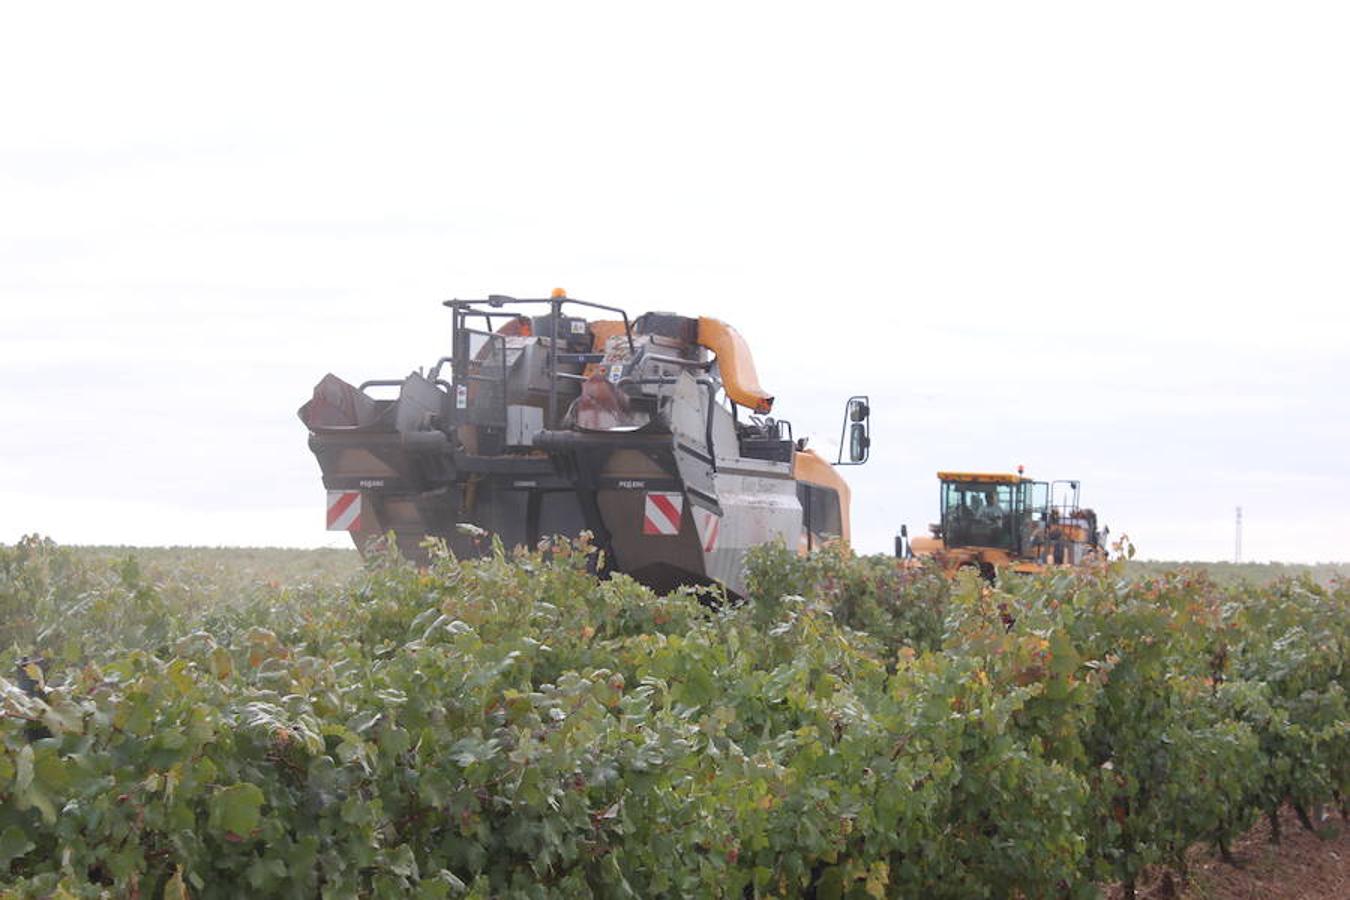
(1036, 502)
(1038, 497)
(979, 514)
(1034, 515)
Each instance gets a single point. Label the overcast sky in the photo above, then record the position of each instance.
(1107, 243)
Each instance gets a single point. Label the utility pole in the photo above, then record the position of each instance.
(1237, 548)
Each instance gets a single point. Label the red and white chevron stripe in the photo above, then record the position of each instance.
(661, 512)
(344, 510)
(708, 524)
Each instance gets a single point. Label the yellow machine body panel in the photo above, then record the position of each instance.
(982, 477)
(808, 466)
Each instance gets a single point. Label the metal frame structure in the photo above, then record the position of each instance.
(461, 359)
(562, 416)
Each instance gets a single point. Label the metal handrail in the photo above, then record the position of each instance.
(464, 308)
(500, 300)
(435, 372)
(460, 369)
(678, 361)
(380, 382)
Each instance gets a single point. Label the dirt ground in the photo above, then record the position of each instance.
(1302, 866)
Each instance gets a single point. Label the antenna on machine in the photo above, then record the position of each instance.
(1237, 546)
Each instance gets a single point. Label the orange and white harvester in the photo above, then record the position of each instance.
(556, 416)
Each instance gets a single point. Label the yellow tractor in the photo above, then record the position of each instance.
(994, 521)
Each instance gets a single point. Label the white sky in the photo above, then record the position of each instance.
(1108, 243)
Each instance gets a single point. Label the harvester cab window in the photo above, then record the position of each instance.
(821, 520)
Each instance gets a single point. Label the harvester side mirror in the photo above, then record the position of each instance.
(857, 428)
(858, 443)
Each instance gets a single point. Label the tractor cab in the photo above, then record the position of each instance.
(996, 520)
(1001, 512)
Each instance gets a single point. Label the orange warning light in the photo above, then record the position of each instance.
(558, 294)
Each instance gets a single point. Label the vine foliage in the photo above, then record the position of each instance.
(513, 727)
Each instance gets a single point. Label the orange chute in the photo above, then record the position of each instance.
(733, 359)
